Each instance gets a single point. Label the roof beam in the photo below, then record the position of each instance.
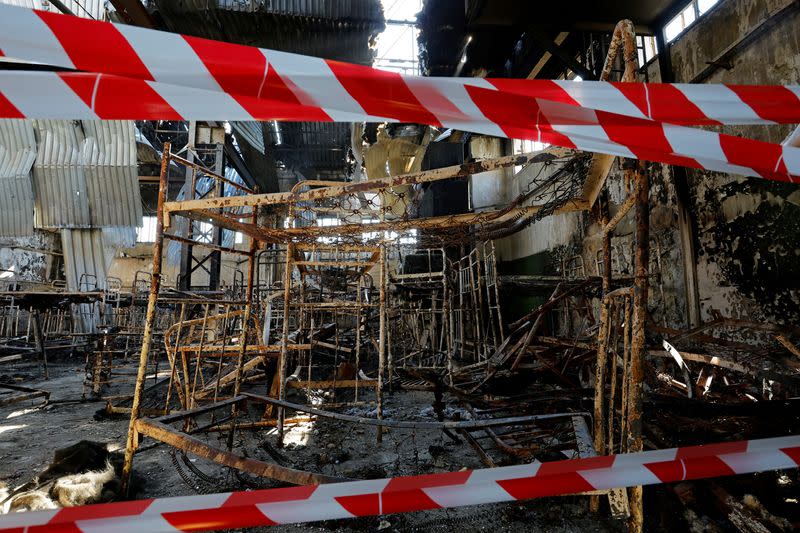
(559, 40)
(550, 46)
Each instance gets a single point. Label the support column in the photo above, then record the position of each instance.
(381, 338)
(287, 291)
(251, 267)
(638, 342)
(132, 441)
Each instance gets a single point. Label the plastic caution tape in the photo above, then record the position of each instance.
(416, 493)
(125, 72)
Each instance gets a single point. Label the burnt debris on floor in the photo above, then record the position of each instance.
(195, 307)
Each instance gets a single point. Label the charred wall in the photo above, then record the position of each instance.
(746, 232)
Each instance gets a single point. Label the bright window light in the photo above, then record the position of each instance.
(524, 146)
(147, 232)
(397, 45)
(684, 19)
(688, 15)
(705, 5)
(409, 237)
(203, 232)
(328, 222)
(238, 237)
(370, 235)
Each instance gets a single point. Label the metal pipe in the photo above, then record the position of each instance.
(381, 338)
(287, 290)
(155, 283)
(638, 342)
(237, 384)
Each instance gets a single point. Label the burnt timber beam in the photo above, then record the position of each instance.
(163, 433)
(553, 48)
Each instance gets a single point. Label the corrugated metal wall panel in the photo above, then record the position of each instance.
(252, 132)
(87, 257)
(17, 154)
(113, 196)
(59, 182)
(16, 207)
(85, 175)
(112, 182)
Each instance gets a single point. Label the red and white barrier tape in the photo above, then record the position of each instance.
(127, 72)
(417, 493)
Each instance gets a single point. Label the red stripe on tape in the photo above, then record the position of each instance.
(704, 450)
(793, 453)
(545, 89)
(405, 493)
(703, 467)
(664, 102)
(689, 468)
(427, 481)
(764, 158)
(520, 117)
(536, 487)
(407, 500)
(575, 465)
(84, 39)
(243, 72)
(645, 138)
(361, 504)
(69, 527)
(114, 97)
(382, 93)
(224, 517)
(283, 494)
(104, 510)
(771, 102)
(9, 110)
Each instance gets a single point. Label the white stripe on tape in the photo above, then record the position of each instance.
(197, 104)
(720, 103)
(600, 95)
(43, 95)
(704, 146)
(23, 35)
(318, 86)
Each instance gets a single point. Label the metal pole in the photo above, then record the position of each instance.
(287, 290)
(251, 268)
(638, 343)
(39, 337)
(133, 437)
(381, 338)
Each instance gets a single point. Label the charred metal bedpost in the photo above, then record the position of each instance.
(624, 35)
(38, 335)
(381, 337)
(132, 440)
(638, 343)
(447, 318)
(287, 291)
(251, 267)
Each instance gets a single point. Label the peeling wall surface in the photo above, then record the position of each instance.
(24, 257)
(746, 232)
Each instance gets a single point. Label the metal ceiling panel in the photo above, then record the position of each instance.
(339, 30)
(252, 132)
